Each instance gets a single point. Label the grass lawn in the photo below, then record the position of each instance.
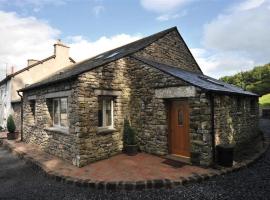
(265, 100)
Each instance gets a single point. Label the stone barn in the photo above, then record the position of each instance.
(78, 113)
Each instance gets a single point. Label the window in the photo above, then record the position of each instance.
(238, 104)
(105, 112)
(252, 106)
(60, 115)
(32, 104)
(180, 117)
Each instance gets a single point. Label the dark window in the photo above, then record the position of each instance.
(32, 104)
(252, 106)
(238, 104)
(180, 117)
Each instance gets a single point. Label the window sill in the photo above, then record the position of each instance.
(239, 113)
(105, 130)
(57, 130)
(252, 115)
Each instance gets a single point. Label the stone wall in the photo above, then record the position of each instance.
(35, 129)
(133, 85)
(172, 50)
(235, 121)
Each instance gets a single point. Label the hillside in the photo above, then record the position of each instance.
(256, 80)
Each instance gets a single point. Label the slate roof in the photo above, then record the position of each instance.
(101, 59)
(199, 80)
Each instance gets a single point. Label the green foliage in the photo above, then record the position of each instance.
(11, 124)
(265, 100)
(1, 128)
(129, 134)
(256, 80)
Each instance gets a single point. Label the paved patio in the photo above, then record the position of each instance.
(117, 168)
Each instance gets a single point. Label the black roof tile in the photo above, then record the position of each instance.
(101, 59)
(196, 79)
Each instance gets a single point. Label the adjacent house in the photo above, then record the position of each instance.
(36, 70)
(78, 113)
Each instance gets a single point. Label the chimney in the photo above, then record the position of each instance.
(61, 50)
(31, 62)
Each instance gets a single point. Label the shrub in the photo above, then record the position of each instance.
(129, 134)
(11, 124)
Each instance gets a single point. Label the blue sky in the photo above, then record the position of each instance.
(224, 36)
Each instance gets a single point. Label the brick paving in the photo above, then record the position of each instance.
(117, 168)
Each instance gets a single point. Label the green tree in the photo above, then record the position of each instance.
(11, 124)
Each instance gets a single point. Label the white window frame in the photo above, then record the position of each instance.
(104, 99)
(59, 115)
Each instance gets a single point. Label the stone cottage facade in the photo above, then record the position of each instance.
(36, 70)
(155, 82)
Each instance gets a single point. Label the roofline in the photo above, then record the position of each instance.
(166, 31)
(188, 49)
(8, 77)
(30, 66)
(212, 91)
(72, 60)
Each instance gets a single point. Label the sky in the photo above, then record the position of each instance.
(225, 36)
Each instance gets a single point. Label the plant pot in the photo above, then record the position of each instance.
(11, 136)
(131, 150)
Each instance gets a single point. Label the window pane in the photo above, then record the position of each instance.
(63, 112)
(100, 115)
(56, 112)
(180, 117)
(32, 107)
(108, 110)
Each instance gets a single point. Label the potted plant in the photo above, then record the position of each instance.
(130, 142)
(11, 127)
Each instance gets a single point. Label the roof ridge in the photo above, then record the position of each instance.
(102, 58)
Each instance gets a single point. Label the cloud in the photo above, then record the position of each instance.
(248, 4)
(166, 17)
(81, 48)
(167, 9)
(237, 39)
(163, 6)
(35, 3)
(219, 64)
(97, 10)
(23, 38)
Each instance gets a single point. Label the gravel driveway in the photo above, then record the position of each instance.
(19, 181)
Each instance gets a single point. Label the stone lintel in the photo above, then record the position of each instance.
(32, 97)
(99, 92)
(58, 94)
(175, 92)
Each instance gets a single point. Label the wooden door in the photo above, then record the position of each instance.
(179, 128)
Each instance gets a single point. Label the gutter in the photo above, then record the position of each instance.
(21, 114)
(212, 108)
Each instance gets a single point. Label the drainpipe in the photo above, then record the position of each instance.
(212, 107)
(21, 115)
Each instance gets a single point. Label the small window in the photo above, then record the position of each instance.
(180, 117)
(252, 106)
(32, 104)
(105, 112)
(60, 115)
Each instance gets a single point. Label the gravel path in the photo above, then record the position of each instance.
(19, 181)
